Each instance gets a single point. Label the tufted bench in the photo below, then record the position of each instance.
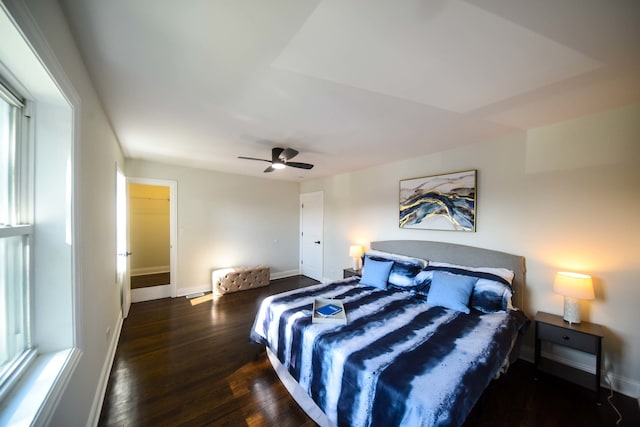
(227, 280)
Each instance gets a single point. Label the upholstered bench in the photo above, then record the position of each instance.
(227, 280)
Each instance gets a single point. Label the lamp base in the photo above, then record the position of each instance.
(571, 310)
(356, 263)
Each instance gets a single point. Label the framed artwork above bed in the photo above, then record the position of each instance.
(439, 202)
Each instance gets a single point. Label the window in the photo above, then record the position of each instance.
(15, 240)
(40, 327)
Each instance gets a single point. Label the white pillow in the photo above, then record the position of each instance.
(505, 273)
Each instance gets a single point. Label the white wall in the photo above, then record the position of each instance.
(227, 220)
(96, 154)
(565, 196)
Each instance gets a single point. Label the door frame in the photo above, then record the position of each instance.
(123, 278)
(301, 241)
(173, 221)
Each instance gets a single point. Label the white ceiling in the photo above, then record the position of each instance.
(348, 83)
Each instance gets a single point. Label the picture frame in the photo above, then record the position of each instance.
(439, 202)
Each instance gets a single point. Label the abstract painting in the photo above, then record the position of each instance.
(439, 202)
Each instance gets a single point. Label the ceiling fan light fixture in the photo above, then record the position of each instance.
(280, 159)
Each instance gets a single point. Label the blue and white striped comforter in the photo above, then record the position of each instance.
(397, 361)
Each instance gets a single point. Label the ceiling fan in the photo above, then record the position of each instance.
(280, 159)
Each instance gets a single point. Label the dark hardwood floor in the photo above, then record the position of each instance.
(184, 362)
(154, 279)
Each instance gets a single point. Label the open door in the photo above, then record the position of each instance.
(152, 223)
(122, 258)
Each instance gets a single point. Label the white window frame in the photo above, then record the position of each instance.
(20, 225)
(33, 70)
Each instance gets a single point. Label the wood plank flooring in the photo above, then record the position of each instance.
(185, 362)
(154, 279)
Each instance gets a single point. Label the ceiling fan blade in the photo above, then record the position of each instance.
(280, 157)
(275, 153)
(299, 165)
(253, 158)
(288, 154)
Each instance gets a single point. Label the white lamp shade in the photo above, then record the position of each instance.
(573, 285)
(355, 251)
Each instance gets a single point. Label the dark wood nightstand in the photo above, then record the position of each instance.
(584, 336)
(350, 272)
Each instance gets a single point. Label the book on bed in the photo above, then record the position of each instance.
(328, 311)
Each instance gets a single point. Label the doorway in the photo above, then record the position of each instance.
(311, 234)
(151, 238)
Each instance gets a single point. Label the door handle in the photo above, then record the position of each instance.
(317, 242)
(125, 254)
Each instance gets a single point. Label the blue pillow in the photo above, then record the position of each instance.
(451, 291)
(491, 293)
(376, 273)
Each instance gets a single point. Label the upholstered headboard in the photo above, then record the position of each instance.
(463, 255)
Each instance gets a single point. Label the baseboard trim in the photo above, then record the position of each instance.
(150, 293)
(101, 390)
(623, 385)
(193, 290)
(620, 384)
(207, 287)
(150, 270)
(283, 274)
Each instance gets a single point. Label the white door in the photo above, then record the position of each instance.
(122, 241)
(311, 234)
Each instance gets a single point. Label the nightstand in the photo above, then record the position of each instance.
(584, 336)
(350, 272)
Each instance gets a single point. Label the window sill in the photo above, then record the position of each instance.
(38, 392)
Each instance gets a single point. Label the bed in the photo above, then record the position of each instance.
(410, 353)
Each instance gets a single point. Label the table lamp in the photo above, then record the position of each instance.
(355, 252)
(574, 287)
